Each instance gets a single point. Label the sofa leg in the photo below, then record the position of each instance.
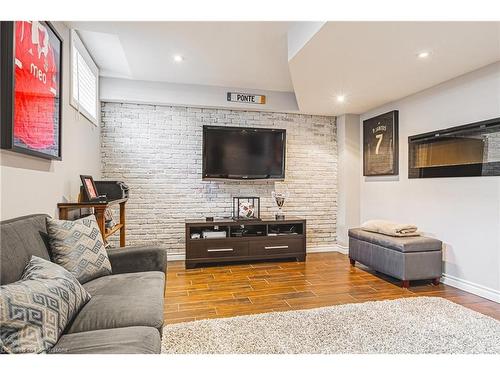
(436, 281)
(352, 261)
(405, 284)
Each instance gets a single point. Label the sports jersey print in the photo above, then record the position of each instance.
(35, 86)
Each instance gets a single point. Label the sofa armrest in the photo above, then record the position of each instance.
(137, 259)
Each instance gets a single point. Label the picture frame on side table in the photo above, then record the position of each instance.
(381, 145)
(89, 188)
(31, 90)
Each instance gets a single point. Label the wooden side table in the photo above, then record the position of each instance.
(99, 209)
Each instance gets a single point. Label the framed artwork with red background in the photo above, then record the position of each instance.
(89, 187)
(31, 88)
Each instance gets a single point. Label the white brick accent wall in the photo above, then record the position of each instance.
(157, 151)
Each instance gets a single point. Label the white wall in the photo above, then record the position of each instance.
(32, 185)
(463, 212)
(157, 150)
(121, 90)
(300, 33)
(349, 171)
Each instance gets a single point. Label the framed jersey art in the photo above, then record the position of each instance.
(380, 145)
(31, 72)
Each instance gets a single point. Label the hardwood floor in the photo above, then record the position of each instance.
(324, 279)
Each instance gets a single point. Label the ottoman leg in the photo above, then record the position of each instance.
(352, 261)
(436, 281)
(405, 284)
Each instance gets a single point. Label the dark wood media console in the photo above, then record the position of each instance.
(245, 240)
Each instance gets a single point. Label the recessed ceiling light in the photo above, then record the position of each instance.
(178, 58)
(423, 55)
(341, 98)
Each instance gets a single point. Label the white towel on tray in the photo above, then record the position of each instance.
(390, 228)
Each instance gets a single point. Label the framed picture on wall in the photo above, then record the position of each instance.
(2, 73)
(31, 60)
(380, 145)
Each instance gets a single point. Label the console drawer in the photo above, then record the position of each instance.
(277, 246)
(217, 249)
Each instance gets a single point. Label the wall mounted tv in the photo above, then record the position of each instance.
(243, 153)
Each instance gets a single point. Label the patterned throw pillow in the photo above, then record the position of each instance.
(35, 310)
(78, 246)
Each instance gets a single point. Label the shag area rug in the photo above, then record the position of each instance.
(406, 325)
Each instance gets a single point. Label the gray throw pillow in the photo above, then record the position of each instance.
(35, 310)
(78, 246)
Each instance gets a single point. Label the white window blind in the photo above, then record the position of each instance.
(84, 80)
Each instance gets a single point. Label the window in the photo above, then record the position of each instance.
(84, 80)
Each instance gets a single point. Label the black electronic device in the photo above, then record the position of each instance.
(112, 189)
(243, 153)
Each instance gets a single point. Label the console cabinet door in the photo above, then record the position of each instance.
(217, 249)
(277, 246)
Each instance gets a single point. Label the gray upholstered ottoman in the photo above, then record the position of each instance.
(405, 258)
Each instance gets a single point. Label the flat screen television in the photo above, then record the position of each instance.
(243, 153)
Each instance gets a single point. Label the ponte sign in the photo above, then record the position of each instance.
(246, 98)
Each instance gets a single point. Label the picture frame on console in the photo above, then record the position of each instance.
(246, 208)
(31, 90)
(381, 145)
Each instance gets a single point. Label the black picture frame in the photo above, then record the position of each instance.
(381, 145)
(7, 94)
(255, 201)
(2, 81)
(88, 196)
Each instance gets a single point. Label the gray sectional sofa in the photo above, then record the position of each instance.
(125, 313)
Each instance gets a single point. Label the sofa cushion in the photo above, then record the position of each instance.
(128, 340)
(21, 238)
(123, 300)
(78, 246)
(403, 244)
(35, 310)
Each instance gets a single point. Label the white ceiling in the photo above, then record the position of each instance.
(234, 54)
(373, 63)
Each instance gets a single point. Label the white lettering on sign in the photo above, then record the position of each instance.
(38, 73)
(246, 98)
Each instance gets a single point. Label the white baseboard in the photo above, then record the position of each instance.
(315, 249)
(479, 290)
(174, 257)
(327, 248)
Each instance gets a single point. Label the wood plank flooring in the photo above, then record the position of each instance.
(324, 279)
